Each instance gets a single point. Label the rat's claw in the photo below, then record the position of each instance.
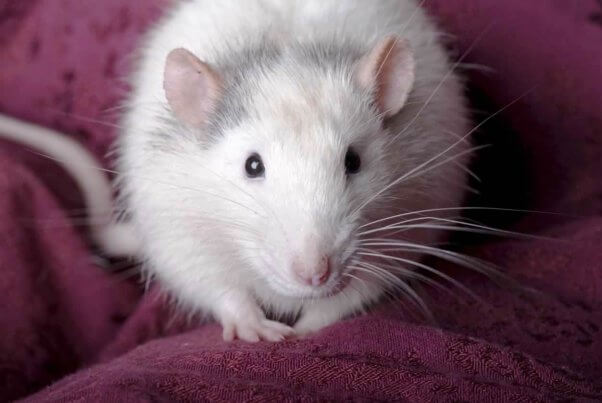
(275, 331)
(254, 331)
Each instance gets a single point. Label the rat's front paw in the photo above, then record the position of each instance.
(243, 319)
(307, 325)
(256, 329)
(314, 318)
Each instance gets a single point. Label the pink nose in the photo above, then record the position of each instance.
(318, 276)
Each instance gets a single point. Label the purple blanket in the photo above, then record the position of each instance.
(72, 330)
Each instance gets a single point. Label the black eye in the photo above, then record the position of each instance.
(254, 166)
(353, 161)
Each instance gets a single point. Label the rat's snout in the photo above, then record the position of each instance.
(312, 272)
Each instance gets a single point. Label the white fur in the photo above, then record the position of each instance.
(221, 255)
(223, 244)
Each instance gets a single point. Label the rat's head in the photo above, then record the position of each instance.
(297, 145)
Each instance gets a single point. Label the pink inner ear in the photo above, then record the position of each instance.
(388, 70)
(191, 87)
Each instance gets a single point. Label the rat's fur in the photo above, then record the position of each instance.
(220, 242)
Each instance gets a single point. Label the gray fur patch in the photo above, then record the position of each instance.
(238, 68)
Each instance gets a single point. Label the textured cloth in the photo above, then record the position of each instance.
(71, 330)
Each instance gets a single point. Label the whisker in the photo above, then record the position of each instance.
(425, 267)
(414, 275)
(150, 179)
(443, 79)
(360, 281)
(452, 159)
(459, 226)
(128, 105)
(478, 265)
(84, 118)
(412, 171)
(385, 284)
(465, 208)
(409, 291)
(467, 170)
(477, 67)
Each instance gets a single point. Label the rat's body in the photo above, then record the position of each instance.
(249, 162)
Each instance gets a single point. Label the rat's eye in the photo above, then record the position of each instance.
(254, 166)
(353, 161)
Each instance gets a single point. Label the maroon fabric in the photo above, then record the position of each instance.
(63, 316)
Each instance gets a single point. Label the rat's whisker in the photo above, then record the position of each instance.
(460, 209)
(413, 275)
(467, 170)
(456, 225)
(361, 283)
(427, 268)
(153, 180)
(414, 170)
(451, 70)
(396, 283)
(475, 264)
(412, 173)
(401, 285)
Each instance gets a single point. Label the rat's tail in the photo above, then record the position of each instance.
(115, 239)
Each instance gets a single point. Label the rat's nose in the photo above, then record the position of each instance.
(314, 276)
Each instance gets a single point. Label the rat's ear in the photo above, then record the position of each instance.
(388, 70)
(191, 87)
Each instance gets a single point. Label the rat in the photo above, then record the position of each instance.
(273, 155)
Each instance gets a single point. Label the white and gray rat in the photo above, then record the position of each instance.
(268, 147)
